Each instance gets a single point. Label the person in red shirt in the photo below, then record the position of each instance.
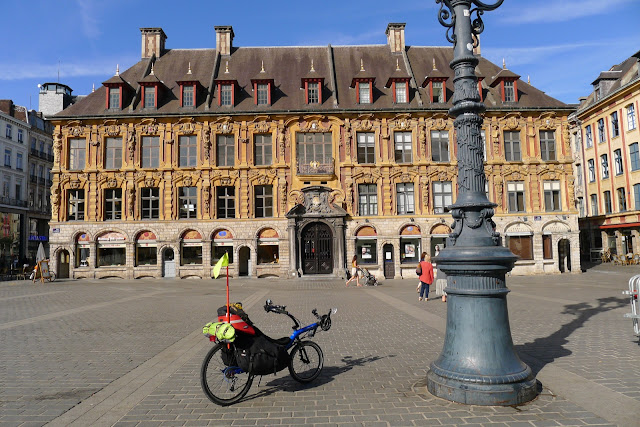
(426, 278)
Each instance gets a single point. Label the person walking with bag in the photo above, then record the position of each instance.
(354, 271)
(440, 279)
(425, 271)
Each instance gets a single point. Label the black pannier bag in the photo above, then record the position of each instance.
(260, 356)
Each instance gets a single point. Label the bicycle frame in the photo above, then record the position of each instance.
(297, 332)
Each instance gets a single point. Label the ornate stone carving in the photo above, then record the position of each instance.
(55, 202)
(149, 182)
(282, 192)
(112, 182)
(131, 145)
(57, 147)
(206, 142)
(314, 125)
(224, 125)
(75, 184)
(206, 198)
(262, 176)
(131, 199)
(347, 138)
(262, 127)
(280, 138)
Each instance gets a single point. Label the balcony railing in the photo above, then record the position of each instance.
(316, 168)
(41, 181)
(34, 152)
(34, 179)
(13, 202)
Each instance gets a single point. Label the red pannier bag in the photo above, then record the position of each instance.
(239, 319)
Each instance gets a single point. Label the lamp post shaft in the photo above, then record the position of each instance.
(478, 364)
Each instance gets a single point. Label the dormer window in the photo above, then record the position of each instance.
(262, 91)
(150, 87)
(313, 93)
(436, 85)
(400, 92)
(508, 82)
(399, 84)
(114, 98)
(188, 99)
(437, 92)
(188, 89)
(363, 84)
(364, 93)
(312, 90)
(226, 94)
(509, 91)
(149, 96)
(312, 84)
(263, 94)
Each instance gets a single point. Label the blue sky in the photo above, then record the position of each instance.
(561, 44)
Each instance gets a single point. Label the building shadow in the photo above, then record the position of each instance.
(328, 374)
(542, 351)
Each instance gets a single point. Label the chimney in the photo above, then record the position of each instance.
(224, 39)
(395, 37)
(153, 40)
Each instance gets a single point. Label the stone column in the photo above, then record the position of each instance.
(340, 261)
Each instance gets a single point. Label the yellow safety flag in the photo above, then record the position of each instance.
(222, 262)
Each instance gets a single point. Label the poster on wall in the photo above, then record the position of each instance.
(366, 252)
(409, 251)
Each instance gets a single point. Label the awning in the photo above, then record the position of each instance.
(622, 225)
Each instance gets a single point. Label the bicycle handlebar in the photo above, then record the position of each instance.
(324, 321)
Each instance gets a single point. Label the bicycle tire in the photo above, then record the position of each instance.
(52, 277)
(306, 361)
(224, 385)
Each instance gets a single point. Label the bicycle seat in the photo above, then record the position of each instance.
(279, 341)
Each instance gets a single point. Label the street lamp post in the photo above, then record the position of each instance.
(478, 364)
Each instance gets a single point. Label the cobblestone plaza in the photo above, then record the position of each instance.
(126, 353)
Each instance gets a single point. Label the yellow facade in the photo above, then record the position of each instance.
(611, 199)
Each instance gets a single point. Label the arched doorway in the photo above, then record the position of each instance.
(317, 254)
(564, 255)
(244, 261)
(63, 264)
(168, 263)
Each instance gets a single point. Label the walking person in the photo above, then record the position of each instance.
(425, 268)
(354, 271)
(441, 279)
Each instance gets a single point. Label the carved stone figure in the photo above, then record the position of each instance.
(131, 145)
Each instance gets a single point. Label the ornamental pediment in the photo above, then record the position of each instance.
(262, 176)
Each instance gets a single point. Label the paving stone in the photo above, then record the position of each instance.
(371, 364)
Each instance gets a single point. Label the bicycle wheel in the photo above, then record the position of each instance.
(224, 385)
(306, 361)
(52, 277)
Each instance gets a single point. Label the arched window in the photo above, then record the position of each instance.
(366, 245)
(82, 250)
(222, 242)
(146, 249)
(112, 250)
(268, 246)
(519, 239)
(410, 244)
(191, 248)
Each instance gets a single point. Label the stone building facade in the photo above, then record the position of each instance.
(608, 173)
(293, 159)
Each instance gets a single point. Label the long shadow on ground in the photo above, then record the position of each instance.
(327, 375)
(541, 351)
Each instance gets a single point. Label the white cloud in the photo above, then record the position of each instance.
(533, 55)
(562, 10)
(98, 67)
(87, 17)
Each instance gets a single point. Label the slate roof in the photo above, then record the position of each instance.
(287, 66)
(619, 75)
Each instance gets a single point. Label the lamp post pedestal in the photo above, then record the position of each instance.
(478, 364)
